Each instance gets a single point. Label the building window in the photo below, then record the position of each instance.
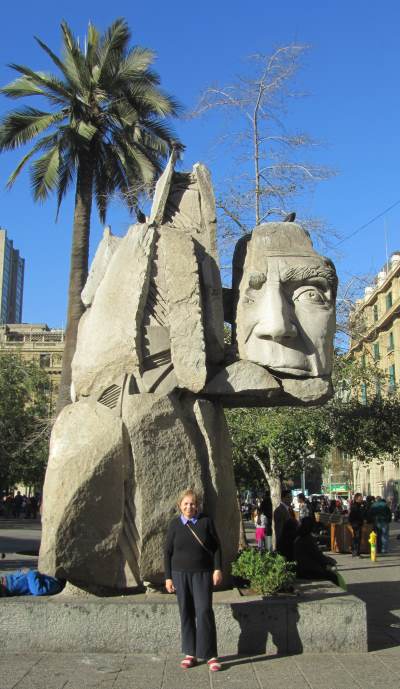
(390, 346)
(376, 351)
(376, 312)
(392, 377)
(44, 361)
(378, 389)
(389, 300)
(363, 393)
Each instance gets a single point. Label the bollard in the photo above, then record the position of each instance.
(372, 542)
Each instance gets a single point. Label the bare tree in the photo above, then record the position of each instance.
(350, 320)
(269, 174)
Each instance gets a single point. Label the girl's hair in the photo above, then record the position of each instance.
(184, 493)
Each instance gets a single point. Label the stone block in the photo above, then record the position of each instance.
(188, 349)
(320, 620)
(109, 343)
(83, 496)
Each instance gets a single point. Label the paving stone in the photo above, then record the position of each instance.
(235, 675)
(276, 673)
(176, 678)
(14, 667)
(313, 667)
(367, 672)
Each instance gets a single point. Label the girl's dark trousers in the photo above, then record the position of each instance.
(194, 592)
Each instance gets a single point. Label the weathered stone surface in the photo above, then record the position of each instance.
(162, 192)
(83, 496)
(208, 211)
(308, 391)
(323, 619)
(178, 443)
(105, 251)
(244, 384)
(218, 478)
(285, 302)
(191, 210)
(109, 335)
(188, 350)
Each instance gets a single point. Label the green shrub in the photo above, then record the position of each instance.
(267, 572)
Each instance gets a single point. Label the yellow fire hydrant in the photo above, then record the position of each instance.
(372, 542)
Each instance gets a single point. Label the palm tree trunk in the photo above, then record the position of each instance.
(78, 273)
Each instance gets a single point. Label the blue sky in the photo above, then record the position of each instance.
(351, 74)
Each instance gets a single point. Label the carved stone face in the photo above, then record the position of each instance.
(286, 303)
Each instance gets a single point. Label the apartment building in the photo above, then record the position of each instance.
(12, 268)
(375, 326)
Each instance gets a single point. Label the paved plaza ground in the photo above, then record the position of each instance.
(378, 584)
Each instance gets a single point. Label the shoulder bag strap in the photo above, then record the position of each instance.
(199, 540)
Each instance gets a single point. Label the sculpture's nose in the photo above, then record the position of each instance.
(276, 315)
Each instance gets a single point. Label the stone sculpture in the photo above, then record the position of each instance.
(151, 375)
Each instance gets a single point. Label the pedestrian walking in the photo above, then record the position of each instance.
(192, 566)
(260, 522)
(381, 517)
(357, 517)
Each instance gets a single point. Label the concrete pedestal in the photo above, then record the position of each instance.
(322, 618)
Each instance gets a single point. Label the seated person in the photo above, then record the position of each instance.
(30, 583)
(311, 563)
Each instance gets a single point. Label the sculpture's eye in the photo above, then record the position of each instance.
(309, 295)
(257, 280)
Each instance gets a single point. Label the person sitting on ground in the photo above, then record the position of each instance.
(286, 541)
(357, 517)
(311, 563)
(30, 583)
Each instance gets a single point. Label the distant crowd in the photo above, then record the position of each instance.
(18, 506)
(300, 529)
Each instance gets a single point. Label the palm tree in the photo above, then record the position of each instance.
(105, 131)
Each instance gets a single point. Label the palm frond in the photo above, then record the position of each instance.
(151, 99)
(21, 87)
(74, 61)
(159, 133)
(45, 143)
(51, 55)
(44, 80)
(86, 130)
(93, 39)
(20, 126)
(66, 170)
(138, 61)
(44, 174)
(112, 48)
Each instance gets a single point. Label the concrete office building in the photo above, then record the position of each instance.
(12, 267)
(375, 326)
